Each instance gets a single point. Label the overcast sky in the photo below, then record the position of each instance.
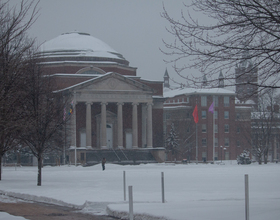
(133, 28)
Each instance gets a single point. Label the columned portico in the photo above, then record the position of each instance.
(144, 125)
(73, 127)
(103, 138)
(88, 125)
(134, 126)
(120, 125)
(108, 111)
(149, 125)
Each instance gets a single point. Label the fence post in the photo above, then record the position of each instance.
(124, 186)
(162, 187)
(130, 202)
(246, 197)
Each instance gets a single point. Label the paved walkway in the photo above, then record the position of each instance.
(42, 211)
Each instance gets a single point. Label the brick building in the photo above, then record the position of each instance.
(116, 114)
(222, 132)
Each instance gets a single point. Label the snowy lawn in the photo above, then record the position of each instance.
(192, 192)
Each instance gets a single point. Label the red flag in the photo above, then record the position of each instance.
(195, 114)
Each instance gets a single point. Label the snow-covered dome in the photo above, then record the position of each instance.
(76, 46)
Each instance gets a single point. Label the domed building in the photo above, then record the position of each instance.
(116, 114)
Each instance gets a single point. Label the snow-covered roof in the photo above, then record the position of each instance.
(189, 91)
(78, 44)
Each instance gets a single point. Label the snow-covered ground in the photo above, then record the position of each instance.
(193, 192)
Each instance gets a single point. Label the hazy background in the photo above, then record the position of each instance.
(133, 28)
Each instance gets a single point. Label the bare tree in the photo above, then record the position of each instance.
(265, 122)
(14, 23)
(44, 113)
(223, 34)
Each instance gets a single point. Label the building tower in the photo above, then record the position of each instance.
(204, 81)
(246, 80)
(221, 80)
(166, 79)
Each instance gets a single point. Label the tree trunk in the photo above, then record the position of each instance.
(39, 178)
(260, 159)
(0, 167)
(265, 159)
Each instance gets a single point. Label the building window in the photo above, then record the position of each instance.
(167, 116)
(226, 101)
(226, 155)
(216, 142)
(203, 100)
(226, 114)
(203, 142)
(216, 128)
(82, 156)
(216, 101)
(216, 155)
(203, 114)
(188, 129)
(238, 130)
(237, 115)
(216, 114)
(188, 115)
(226, 128)
(238, 143)
(226, 142)
(203, 128)
(204, 156)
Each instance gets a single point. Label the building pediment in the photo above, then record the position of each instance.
(112, 87)
(112, 82)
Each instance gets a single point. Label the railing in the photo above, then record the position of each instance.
(123, 153)
(116, 154)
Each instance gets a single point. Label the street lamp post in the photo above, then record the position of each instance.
(221, 154)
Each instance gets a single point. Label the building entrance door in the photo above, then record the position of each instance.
(109, 134)
(128, 140)
(83, 138)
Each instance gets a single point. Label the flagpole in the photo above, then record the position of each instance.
(213, 129)
(195, 117)
(75, 132)
(196, 147)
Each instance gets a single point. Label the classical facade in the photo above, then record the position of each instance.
(116, 114)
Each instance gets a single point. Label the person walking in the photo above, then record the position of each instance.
(103, 163)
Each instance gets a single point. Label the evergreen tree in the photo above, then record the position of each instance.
(172, 144)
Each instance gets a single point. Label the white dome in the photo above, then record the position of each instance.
(76, 44)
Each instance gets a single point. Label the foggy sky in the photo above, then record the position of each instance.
(133, 28)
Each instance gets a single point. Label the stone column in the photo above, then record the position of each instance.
(103, 138)
(134, 126)
(88, 125)
(149, 125)
(120, 125)
(144, 125)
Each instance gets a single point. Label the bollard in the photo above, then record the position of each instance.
(162, 186)
(130, 202)
(124, 186)
(246, 197)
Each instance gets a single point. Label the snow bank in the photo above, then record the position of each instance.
(194, 192)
